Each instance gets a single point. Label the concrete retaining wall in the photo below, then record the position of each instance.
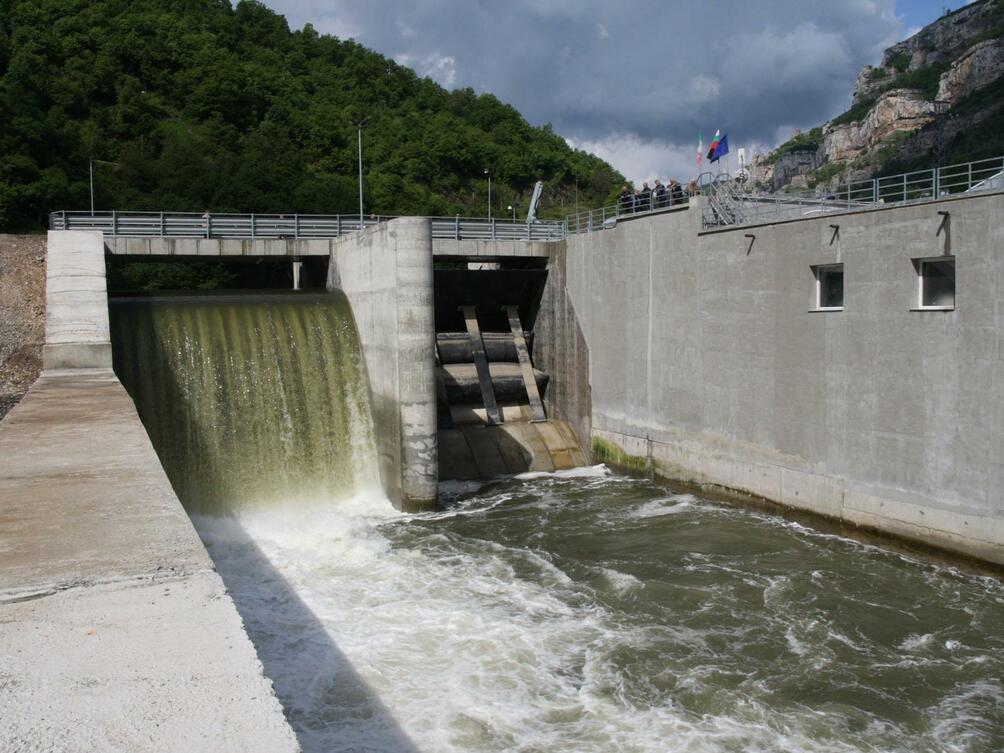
(117, 632)
(76, 305)
(707, 361)
(386, 273)
(560, 350)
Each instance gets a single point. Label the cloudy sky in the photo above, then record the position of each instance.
(636, 81)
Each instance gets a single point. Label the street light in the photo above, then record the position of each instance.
(90, 173)
(489, 174)
(359, 126)
(512, 209)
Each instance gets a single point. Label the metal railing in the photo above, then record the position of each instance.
(286, 226)
(597, 219)
(730, 203)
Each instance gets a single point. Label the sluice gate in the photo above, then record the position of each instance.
(490, 406)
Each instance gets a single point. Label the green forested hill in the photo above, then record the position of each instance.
(188, 105)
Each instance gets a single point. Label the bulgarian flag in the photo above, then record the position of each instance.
(720, 148)
(714, 144)
(700, 148)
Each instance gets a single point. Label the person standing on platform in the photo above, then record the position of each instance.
(675, 192)
(625, 201)
(645, 198)
(659, 194)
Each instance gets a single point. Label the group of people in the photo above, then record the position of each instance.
(658, 196)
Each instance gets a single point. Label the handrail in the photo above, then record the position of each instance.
(289, 226)
(730, 204)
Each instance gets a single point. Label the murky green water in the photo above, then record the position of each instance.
(594, 612)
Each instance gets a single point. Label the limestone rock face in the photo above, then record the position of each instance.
(946, 38)
(895, 111)
(870, 82)
(794, 165)
(924, 121)
(979, 66)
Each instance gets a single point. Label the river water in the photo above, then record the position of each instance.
(573, 612)
(588, 611)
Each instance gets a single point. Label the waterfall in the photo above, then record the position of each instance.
(250, 400)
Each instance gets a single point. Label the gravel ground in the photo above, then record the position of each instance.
(22, 315)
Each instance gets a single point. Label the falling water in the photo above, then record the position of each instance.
(249, 401)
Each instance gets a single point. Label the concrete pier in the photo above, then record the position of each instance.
(386, 273)
(115, 630)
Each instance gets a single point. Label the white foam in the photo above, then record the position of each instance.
(622, 583)
(657, 508)
(593, 471)
(913, 641)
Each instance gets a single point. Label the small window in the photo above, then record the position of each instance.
(936, 283)
(829, 287)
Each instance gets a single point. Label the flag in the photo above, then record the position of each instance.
(714, 144)
(700, 148)
(720, 149)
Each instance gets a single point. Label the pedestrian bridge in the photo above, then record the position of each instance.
(160, 236)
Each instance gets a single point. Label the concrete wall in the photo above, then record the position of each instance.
(302, 247)
(560, 350)
(117, 632)
(209, 247)
(76, 306)
(491, 249)
(386, 273)
(706, 359)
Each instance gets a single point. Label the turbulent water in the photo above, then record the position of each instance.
(578, 612)
(592, 612)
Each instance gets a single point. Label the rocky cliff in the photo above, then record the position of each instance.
(911, 111)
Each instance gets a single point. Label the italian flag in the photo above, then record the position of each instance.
(714, 143)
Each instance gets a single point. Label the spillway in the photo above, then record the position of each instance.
(565, 611)
(250, 400)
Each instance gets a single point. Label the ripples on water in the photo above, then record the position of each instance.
(591, 612)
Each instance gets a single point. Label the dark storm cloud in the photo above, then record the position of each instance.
(630, 78)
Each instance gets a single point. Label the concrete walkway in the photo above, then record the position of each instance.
(116, 633)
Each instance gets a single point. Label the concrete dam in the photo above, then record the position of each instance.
(374, 509)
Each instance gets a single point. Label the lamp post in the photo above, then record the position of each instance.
(512, 209)
(359, 127)
(90, 174)
(489, 174)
